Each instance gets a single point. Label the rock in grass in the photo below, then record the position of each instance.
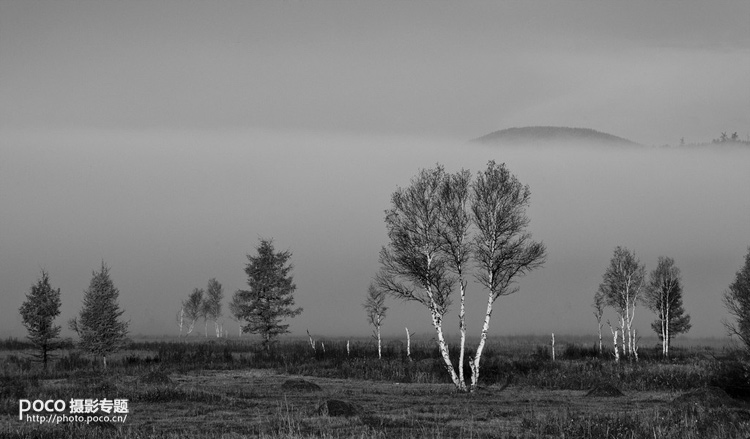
(710, 397)
(604, 390)
(300, 385)
(335, 407)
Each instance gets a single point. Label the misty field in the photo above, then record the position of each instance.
(233, 388)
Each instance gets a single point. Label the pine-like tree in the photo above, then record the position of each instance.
(664, 297)
(737, 301)
(99, 327)
(270, 297)
(38, 313)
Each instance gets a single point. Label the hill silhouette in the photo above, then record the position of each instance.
(548, 135)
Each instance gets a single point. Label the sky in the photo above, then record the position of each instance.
(166, 138)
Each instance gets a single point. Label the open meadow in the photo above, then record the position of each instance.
(233, 388)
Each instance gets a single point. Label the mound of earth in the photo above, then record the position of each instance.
(710, 397)
(300, 385)
(606, 390)
(155, 377)
(335, 407)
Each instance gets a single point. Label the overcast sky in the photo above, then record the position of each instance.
(166, 138)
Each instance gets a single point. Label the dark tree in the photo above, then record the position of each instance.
(38, 313)
(737, 301)
(270, 297)
(99, 327)
(664, 297)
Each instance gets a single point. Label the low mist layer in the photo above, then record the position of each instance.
(168, 211)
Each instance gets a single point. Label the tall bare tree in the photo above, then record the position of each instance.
(664, 297)
(504, 250)
(598, 306)
(737, 301)
(212, 303)
(413, 265)
(622, 285)
(456, 221)
(235, 311)
(437, 226)
(375, 308)
(193, 308)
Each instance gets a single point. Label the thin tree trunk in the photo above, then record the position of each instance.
(380, 355)
(600, 338)
(482, 340)
(408, 344)
(437, 322)
(462, 327)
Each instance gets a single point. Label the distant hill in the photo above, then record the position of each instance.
(548, 135)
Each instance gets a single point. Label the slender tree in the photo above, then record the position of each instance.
(270, 297)
(598, 306)
(504, 250)
(193, 308)
(375, 308)
(38, 313)
(737, 301)
(622, 285)
(99, 327)
(663, 296)
(212, 303)
(453, 204)
(413, 265)
(235, 311)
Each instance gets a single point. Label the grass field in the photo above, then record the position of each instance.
(234, 389)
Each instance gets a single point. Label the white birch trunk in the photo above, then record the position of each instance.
(553, 346)
(380, 355)
(408, 344)
(347, 348)
(438, 324)
(462, 328)
(614, 343)
(482, 340)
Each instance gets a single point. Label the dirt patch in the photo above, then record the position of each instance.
(155, 377)
(604, 390)
(300, 385)
(710, 397)
(335, 407)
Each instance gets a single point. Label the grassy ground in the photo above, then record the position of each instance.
(236, 390)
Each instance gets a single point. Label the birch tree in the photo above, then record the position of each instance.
(212, 303)
(455, 244)
(235, 311)
(441, 223)
(38, 313)
(598, 306)
(664, 297)
(375, 308)
(503, 248)
(737, 302)
(622, 285)
(413, 265)
(193, 307)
